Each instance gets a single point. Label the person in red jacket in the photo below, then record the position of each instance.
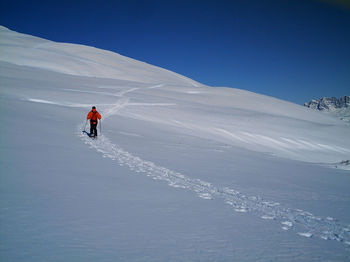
(94, 116)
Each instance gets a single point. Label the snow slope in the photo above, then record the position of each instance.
(262, 168)
(80, 60)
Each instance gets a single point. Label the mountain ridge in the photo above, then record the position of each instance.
(329, 103)
(77, 59)
(337, 107)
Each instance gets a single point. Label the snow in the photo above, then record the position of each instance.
(79, 60)
(308, 235)
(180, 172)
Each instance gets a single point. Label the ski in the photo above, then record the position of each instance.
(89, 135)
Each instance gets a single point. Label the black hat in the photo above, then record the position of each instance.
(94, 107)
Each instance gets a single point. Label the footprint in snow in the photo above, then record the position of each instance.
(287, 225)
(307, 234)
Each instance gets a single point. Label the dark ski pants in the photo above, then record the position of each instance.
(93, 129)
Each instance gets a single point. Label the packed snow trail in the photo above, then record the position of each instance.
(299, 220)
(304, 223)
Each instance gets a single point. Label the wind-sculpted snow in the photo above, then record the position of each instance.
(302, 222)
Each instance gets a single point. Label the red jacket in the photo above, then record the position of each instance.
(93, 115)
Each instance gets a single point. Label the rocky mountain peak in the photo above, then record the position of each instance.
(329, 103)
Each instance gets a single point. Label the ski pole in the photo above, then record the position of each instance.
(100, 127)
(85, 124)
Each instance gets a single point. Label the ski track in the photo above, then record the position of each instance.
(288, 218)
(304, 223)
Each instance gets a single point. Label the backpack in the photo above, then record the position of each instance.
(93, 119)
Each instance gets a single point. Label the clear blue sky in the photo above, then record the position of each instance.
(295, 50)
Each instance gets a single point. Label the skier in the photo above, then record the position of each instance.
(94, 116)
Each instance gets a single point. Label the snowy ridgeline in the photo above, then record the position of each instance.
(337, 107)
(79, 60)
(181, 171)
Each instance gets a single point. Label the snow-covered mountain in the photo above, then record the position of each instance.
(329, 103)
(337, 107)
(180, 172)
(79, 60)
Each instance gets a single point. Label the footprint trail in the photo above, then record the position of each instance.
(304, 223)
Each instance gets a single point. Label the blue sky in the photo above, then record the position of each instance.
(295, 50)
